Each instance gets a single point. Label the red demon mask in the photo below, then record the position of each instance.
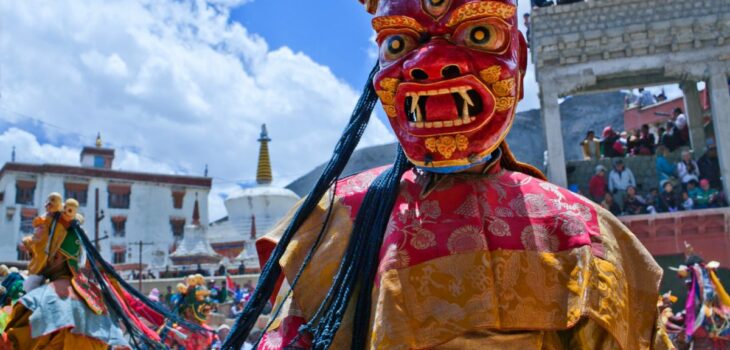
(450, 77)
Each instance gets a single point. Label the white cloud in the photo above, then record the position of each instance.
(175, 80)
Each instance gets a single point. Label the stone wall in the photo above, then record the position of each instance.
(602, 30)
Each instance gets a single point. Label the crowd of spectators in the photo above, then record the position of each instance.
(673, 135)
(685, 185)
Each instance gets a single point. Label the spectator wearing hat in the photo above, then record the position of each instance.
(591, 146)
(680, 122)
(709, 164)
(705, 196)
(609, 138)
(597, 185)
(619, 180)
(687, 169)
(664, 169)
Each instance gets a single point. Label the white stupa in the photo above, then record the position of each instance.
(253, 211)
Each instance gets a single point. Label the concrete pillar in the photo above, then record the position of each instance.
(550, 112)
(720, 104)
(693, 111)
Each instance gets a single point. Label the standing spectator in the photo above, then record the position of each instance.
(680, 122)
(645, 144)
(634, 204)
(526, 21)
(671, 138)
(241, 268)
(609, 137)
(709, 165)
(609, 204)
(154, 295)
(664, 169)
(646, 98)
(619, 180)
(687, 169)
(167, 297)
(668, 201)
(591, 146)
(597, 185)
(660, 134)
(706, 197)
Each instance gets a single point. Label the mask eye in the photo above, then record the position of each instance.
(394, 46)
(490, 36)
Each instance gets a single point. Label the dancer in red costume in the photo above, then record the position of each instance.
(457, 245)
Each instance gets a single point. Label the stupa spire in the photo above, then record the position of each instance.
(263, 171)
(196, 212)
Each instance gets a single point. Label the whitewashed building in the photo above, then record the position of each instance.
(132, 206)
(252, 212)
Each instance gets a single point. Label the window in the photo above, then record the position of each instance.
(77, 191)
(24, 192)
(119, 258)
(26, 220)
(178, 227)
(119, 224)
(99, 162)
(23, 254)
(119, 196)
(177, 199)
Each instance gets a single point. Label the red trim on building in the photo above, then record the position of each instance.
(76, 186)
(119, 248)
(660, 112)
(120, 189)
(106, 173)
(25, 184)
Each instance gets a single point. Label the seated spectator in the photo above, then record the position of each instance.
(598, 184)
(591, 146)
(609, 138)
(621, 146)
(687, 169)
(645, 144)
(619, 180)
(652, 200)
(668, 201)
(680, 121)
(687, 202)
(237, 309)
(664, 169)
(634, 204)
(709, 164)
(609, 204)
(632, 143)
(707, 197)
(671, 138)
(646, 98)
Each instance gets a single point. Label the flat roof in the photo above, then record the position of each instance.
(183, 180)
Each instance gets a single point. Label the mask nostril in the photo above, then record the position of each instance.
(419, 74)
(450, 71)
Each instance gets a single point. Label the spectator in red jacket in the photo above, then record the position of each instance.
(598, 184)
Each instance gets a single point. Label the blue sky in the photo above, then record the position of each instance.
(334, 33)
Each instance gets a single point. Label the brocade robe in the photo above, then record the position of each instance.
(499, 260)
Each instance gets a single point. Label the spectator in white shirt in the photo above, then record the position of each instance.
(687, 169)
